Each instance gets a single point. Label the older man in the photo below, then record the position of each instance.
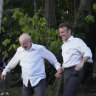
(75, 53)
(31, 57)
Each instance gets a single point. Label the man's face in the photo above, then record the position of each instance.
(65, 33)
(26, 44)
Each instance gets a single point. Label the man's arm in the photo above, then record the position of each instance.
(79, 66)
(86, 54)
(12, 63)
(52, 59)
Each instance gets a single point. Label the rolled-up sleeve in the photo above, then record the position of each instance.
(85, 50)
(50, 57)
(12, 63)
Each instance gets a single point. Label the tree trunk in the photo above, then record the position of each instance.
(84, 6)
(37, 5)
(50, 13)
(81, 5)
(1, 12)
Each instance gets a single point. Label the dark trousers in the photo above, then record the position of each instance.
(72, 80)
(39, 89)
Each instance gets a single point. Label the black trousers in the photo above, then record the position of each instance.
(72, 80)
(39, 89)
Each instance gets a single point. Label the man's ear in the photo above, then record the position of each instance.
(31, 41)
(69, 30)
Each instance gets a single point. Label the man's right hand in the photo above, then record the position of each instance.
(3, 76)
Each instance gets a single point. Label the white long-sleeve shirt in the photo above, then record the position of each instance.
(32, 63)
(73, 50)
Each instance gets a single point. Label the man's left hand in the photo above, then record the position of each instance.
(79, 66)
(59, 73)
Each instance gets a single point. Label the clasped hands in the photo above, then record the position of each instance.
(59, 72)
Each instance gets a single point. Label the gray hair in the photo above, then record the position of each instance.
(25, 36)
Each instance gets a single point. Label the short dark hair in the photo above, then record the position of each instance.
(65, 25)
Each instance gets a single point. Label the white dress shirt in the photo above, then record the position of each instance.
(73, 50)
(32, 63)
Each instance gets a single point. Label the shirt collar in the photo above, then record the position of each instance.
(32, 47)
(70, 38)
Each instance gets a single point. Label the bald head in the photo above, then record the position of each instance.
(24, 36)
(25, 41)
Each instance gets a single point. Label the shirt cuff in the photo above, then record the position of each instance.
(57, 65)
(90, 60)
(4, 73)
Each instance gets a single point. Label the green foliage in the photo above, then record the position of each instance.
(4, 20)
(80, 26)
(5, 42)
(36, 26)
(9, 33)
(90, 18)
(94, 7)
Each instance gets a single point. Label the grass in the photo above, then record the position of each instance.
(15, 91)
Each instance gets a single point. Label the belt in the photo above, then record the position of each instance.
(69, 68)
